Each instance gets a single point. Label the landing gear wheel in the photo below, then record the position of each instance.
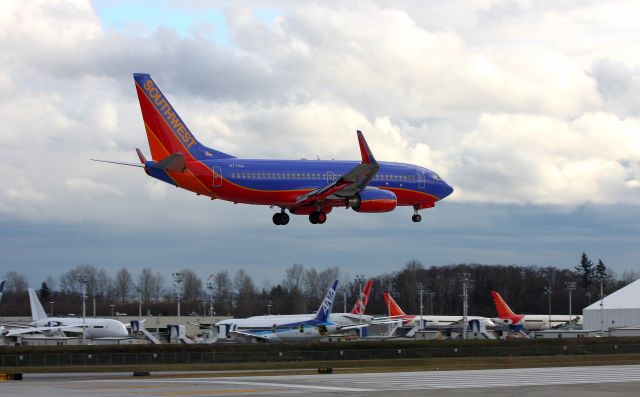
(280, 218)
(416, 218)
(317, 217)
(322, 217)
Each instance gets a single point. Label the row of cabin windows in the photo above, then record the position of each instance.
(315, 176)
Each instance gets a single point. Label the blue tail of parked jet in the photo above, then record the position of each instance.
(327, 304)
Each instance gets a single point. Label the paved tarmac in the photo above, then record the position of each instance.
(623, 380)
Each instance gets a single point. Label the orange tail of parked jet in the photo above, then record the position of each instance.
(504, 311)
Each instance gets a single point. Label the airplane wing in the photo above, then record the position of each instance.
(251, 335)
(29, 330)
(353, 326)
(348, 184)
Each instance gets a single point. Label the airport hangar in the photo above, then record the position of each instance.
(619, 310)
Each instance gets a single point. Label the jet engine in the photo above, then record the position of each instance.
(372, 200)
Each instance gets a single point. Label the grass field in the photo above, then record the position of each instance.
(344, 366)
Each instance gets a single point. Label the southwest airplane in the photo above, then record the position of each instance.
(285, 328)
(301, 187)
(531, 322)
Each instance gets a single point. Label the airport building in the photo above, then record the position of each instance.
(620, 309)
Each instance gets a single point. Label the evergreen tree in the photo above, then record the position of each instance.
(585, 271)
(601, 272)
(44, 292)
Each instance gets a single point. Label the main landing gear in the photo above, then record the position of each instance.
(318, 217)
(280, 218)
(416, 217)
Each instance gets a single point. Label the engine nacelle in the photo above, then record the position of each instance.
(373, 200)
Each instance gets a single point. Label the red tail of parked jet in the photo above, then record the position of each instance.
(311, 188)
(361, 304)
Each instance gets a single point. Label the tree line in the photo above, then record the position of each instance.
(302, 289)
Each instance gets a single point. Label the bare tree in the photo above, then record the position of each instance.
(245, 293)
(312, 289)
(293, 278)
(146, 284)
(123, 284)
(222, 290)
(16, 283)
(158, 283)
(191, 286)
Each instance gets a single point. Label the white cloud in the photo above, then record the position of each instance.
(89, 187)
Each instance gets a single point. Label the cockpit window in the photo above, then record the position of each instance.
(436, 177)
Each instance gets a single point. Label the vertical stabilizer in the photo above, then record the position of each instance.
(327, 304)
(392, 306)
(501, 306)
(166, 132)
(37, 311)
(2, 288)
(361, 304)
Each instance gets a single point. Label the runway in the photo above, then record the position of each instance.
(589, 381)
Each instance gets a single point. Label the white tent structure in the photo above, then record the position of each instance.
(620, 309)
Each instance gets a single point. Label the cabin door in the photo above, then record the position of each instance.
(217, 176)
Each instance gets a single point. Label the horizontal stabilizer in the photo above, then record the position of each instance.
(174, 162)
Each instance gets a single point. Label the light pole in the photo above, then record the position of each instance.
(466, 280)
(269, 308)
(588, 294)
(548, 292)
(139, 302)
(601, 306)
(51, 308)
(420, 292)
(571, 286)
(210, 288)
(112, 306)
(360, 279)
(178, 278)
(430, 294)
(83, 279)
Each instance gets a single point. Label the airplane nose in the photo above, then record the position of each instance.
(446, 190)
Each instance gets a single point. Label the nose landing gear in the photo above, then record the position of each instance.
(416, 217)
(280, 218)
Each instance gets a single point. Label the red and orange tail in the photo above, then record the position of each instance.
(392, 306)
(359, 307)
(166, 132)
(501, 306)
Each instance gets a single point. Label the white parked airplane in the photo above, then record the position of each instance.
(355, 316)
(93, 327)
(289, 328)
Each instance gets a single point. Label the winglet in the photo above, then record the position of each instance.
(365, 152)
(143, 159)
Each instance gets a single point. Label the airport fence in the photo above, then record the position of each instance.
(61, 359)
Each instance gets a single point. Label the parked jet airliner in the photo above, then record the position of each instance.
(531, 322)
(301, 187)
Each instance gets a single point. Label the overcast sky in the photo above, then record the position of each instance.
(529, 109)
